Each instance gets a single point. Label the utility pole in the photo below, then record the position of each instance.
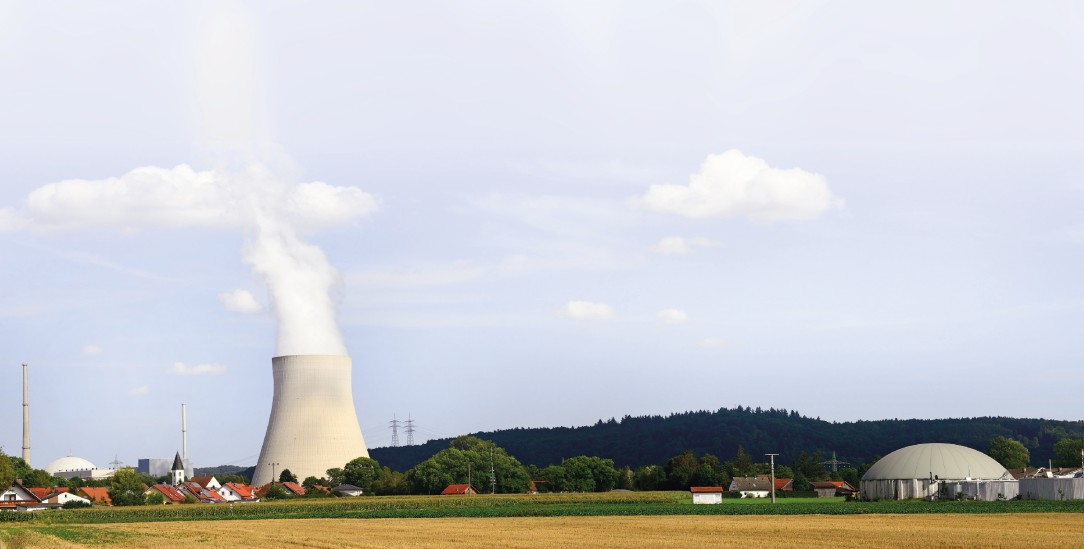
(26, 419)
(273, 465)
(772, 456)
(394, 431)
(492, 472)
(468, 478)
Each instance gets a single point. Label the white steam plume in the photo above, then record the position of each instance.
(274, 215)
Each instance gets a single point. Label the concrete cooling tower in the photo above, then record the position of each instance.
(313, 425)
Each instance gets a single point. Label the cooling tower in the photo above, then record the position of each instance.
(313, 425)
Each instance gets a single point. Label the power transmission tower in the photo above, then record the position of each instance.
(834, 462)
(116, 463)
(394, 431)
(409, 430)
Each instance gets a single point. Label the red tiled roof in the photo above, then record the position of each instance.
(40, 493)
(458, 489)
(212, 495)
(706, 489)
(781, 483)
(96, 493)
(295, 488)
(243, 490)
(202, 481)
(171, 493)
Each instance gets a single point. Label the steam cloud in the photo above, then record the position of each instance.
(274, 214)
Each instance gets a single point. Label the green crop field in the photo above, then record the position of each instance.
(545, 505)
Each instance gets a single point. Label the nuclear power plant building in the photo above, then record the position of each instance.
(313, 425)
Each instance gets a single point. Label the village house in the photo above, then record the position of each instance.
(459, 490)
(751, 487)
(832, 488)
(20, 498)
(347, 490)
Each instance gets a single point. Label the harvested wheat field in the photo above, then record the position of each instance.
(1009, 530)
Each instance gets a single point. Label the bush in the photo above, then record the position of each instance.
(76, 504)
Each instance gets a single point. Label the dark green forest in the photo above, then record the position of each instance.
(646, 440)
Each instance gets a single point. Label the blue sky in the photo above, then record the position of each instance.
(535, 214)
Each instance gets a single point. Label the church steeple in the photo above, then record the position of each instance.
(177, 470)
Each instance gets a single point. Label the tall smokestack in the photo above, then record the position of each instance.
(313, 425)
(26, 418)
(184, 433)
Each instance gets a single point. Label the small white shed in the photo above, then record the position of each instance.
(707, 494)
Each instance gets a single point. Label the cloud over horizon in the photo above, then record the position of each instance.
(732, 184)
(181, 369)
(240, 301)
(673, 317)
(672, 245)
(587, 310)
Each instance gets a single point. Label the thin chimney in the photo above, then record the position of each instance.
(26, 419)
(184, 433)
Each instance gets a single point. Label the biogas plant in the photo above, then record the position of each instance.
(313, 426)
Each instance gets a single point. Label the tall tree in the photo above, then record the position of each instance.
(589, 474)
(1009, 453)
(1068, 452)
(126, 487)
(681, 469)
(7, 472)
(743, 464)
(362, 472)
(287, 476)
(469, 458)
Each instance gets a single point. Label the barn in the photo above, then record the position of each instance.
(924, 470)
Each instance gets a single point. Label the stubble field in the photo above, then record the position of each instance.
(953, 530)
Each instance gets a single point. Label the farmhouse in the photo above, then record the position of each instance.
(751, 487)
(707, 494)
(925, 470)
(832, 488)
(459, 490)
(347, 490)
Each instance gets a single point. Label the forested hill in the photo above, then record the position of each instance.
(637, 441)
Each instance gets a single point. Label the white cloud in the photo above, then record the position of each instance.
(151, 197)
(587, 310)
(91, 350)
(680, 245)
(179, 368)
(140, 391)
(240, 301)
(673, 316)
(711, 343)
(733, 184)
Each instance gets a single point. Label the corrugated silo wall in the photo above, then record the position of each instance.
(1052, 488)
(984, 490)
(894, 489)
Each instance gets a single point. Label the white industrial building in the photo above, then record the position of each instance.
(157, 467)
(931, 471)
(72, 466)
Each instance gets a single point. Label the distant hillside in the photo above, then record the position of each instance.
(223, 470)
(637, 441)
